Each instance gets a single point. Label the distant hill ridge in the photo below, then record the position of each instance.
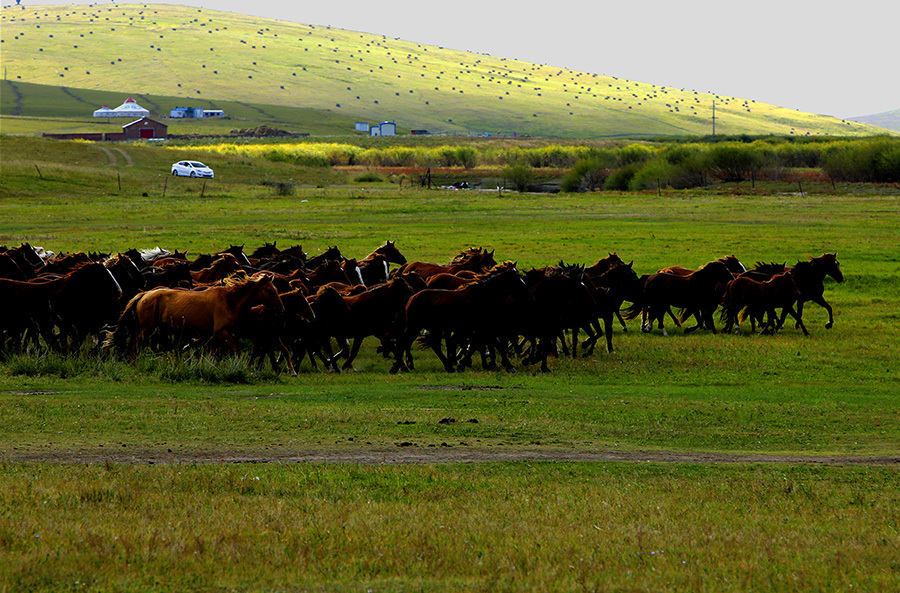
(203, 55)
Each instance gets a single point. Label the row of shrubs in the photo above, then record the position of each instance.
(632, 166)
(691, 165)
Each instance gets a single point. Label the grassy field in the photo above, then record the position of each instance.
(115, 477)
(277, 71)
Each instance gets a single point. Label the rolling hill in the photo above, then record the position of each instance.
(889, 120)
(68, 60)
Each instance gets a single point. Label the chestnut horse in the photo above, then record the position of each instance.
(474, 259)
(210, 314)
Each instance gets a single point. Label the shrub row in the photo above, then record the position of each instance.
(635, 166)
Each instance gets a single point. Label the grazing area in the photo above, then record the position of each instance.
(703, 461)
(308, 78)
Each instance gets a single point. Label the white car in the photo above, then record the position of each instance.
(191, 169)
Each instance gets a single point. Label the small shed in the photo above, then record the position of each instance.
(145, 129)
(385, 128)
(362, 126)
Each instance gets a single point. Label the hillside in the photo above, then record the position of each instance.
(890, 120)
(192, 55)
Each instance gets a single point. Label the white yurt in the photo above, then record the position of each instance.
(130, 109)
(105, 111)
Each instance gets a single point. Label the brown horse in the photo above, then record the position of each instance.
(604, 265)
(474, 259)
(561, 302)
(25, 307)
(697, 293)
(458, 316)
(374, 269)
(749, 298)
(225, 265)
(210, 314)
(375, 312)
(389, 252)
(731, 262)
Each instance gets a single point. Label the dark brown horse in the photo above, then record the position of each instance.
(458, 316)
(697, 293)
(562, 301)
(748, 298)
(25, 307)
(810, 279)
(376, 312)
(86, 304)
(224, 266)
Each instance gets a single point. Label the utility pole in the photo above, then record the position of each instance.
(714, 117)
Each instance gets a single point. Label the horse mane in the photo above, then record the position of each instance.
(465, 255)
(495, 271)
(769, 268)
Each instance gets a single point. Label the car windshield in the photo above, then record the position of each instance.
(197, 165)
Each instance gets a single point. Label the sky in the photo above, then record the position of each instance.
(838, 59)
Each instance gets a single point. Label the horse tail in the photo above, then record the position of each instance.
(634, 311)
(126, 328)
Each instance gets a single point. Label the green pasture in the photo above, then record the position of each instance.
(72, 522)
(61, 61)
(482, 527)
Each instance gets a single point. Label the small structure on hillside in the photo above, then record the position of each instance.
(195, 113)
(385, 128)
(129, 108)
(362, 126)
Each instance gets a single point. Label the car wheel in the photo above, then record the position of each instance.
(193, 174)
(175, 173)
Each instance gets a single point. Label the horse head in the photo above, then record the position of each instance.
(391, 253)
(830, 264)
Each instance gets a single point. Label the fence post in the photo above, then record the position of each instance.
(39, 171)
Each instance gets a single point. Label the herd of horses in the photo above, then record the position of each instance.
(287, 306)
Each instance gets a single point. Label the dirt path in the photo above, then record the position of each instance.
(412, 454)
(111, 152)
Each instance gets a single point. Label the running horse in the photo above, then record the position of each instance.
(475, 259)
(748, 298)
(458, 316)
(210, 314)
(697, 293)
(375, 267)
(810, 279)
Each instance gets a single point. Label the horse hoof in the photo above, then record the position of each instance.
(828, 325)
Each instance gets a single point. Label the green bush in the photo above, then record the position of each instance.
(621, 178)
(733, 161)
(368, 177)
(589, 174)
(519, 177)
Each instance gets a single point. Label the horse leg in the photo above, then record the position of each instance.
(280, 346)
(608, 322)
(504, 355)
(820, 300)
(357, 342)
(448, 361)
(621, 321)
(790, 310)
